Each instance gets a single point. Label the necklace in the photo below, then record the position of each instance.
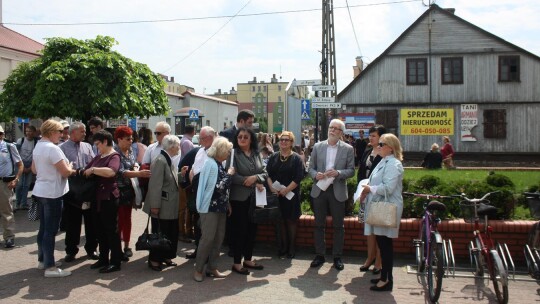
(282, 158)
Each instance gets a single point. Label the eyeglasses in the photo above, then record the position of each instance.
(243, 137)
(381, 144)
(128, 138)
(334, 128)
(60, 131)
(158, 133)
(284, 139)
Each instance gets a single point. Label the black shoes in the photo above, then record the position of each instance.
(318, 261)
(10, 243)
(386, 287)
(128, 252)
(374, 281)
(242, 270)
(191, 255)
(99, 264)
(376, 270)
(154, 267)
(170, 264)
(92, 256)
(338, 264)
(254, 266)
(366, 268)
(110, 268)
(69, 258)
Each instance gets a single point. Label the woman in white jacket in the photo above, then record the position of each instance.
(385, 183)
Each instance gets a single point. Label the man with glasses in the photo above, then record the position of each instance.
(11, 168)
(162, 129)
(79, 153)
(331, 164)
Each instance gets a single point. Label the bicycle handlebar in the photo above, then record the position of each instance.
(428, 196)
(477, 200)
(532, 194)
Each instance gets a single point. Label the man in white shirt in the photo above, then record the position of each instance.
(162, 129)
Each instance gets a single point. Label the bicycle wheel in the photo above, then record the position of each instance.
(421, 251)
(499, 277)
(478, 260)
(435, 270)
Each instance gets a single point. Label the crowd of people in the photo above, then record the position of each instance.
(195, 193)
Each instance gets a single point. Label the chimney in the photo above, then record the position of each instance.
(219, 91)
(254, 79)
(359, 66)
(274, 79)
(233, 91)
(172, 78)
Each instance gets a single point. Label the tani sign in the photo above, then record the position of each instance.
(427, 121)
(469, 120)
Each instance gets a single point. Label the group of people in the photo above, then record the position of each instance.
(215, 183)
(435, 159)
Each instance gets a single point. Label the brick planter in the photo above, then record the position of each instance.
(513, 233)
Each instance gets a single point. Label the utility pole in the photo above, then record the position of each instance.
(328, 62)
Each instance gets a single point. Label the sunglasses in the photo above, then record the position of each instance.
(381, 144)
(284, 139)
(158, 133)
(243, 137)
(335, 128)
(128, 138)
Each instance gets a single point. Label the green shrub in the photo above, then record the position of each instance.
(428, 182)
(499, 180)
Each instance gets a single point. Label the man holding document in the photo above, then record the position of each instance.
(331, 163)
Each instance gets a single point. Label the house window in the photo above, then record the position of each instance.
(258, 88)
(509, 69)
(417, 71)
(387, 118)
(264, 88)
(279, 99)
(279, 87)
(452, 70)
(495, 123)
(253, 88)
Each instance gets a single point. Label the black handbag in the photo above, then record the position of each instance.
(127, 194)
(263, 214)
(153, 241)
(81, 189)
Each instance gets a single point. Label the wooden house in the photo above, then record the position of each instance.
(446, 76)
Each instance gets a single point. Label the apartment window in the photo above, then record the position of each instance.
(279, 87)
(495, 123)
(279, 99)
(264, 88)
(258, 88)
(253, 89)
(279, 109)
(452, 70)
(417, 71)
(509, 69)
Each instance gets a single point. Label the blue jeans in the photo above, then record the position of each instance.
(21, 192)
(50, 211)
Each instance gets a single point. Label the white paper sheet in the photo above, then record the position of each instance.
(359, 189)
(278, 186)
(324, 183)
(260, 197)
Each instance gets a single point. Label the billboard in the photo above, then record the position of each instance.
(427, 121)
(356, 122)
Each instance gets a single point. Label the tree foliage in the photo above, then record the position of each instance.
(79, 79)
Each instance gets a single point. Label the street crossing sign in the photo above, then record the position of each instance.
(194, 114)
(306, 109)
(323, 99)
(324, 105)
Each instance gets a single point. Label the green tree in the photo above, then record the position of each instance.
(80, 79)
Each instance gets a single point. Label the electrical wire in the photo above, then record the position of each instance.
(354, 30)
(204, 18)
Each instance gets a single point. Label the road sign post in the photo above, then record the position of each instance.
(326, 105)
(306, 109)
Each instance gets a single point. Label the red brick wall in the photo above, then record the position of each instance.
(513, 233)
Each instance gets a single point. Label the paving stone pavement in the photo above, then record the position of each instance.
(282, 280)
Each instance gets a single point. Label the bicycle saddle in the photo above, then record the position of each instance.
(488, 210)
(436, 206)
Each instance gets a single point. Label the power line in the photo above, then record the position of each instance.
(354, 30)
(205, 18)
(212, 36)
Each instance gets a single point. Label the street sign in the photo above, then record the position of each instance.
(23, 120)
(330, 105)
(308, 82)
(324, 88)
(306, 109)
(132, 123)
(323, 99)
(193, 114)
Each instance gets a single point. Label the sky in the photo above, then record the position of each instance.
(217, 53)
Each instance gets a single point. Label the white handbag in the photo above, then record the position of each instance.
(382, 213)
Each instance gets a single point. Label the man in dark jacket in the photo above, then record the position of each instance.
(243, 119)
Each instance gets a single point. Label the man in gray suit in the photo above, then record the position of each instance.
(332, 162)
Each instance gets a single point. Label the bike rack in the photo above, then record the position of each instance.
(449, 259)
(532, 261)
(506, 257)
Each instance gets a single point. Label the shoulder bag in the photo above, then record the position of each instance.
(153, 241)
(263, 214)
(382, 213)
(81, 189)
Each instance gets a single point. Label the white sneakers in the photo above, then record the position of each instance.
(57, 273)
(41, 266)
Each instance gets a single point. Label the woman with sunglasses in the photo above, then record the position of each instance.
(367, 163)
(287, 168)
(385, 184)
(250, 176)
(52, 168)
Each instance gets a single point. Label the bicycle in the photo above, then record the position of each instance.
(532, 247)
(428, 246)
(482, 248)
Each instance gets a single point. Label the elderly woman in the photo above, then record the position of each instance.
(128, 169)
(52, 169)
(433, 158)
(385, 183)
(213, 206)
(105, 167)
(162, 201)
(367, 163)
(287, 168)
(250, 177)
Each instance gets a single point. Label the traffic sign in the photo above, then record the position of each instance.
(323, 99)
(322, 105)
(132, 123)
(306, 109)
(308, 82)
(193, 114)
(324, 88)
(23, 120)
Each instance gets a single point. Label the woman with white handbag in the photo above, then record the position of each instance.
(384, 205)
